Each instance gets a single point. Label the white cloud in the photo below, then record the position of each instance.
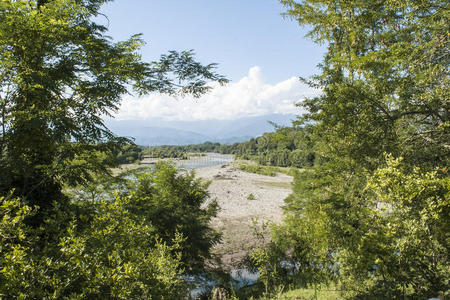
(248, 97)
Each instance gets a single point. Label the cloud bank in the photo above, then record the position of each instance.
(249, 97)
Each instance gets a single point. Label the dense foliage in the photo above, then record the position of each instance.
(97, 250)
(128, 154)
(286, 147)
(59, 75)
(369, 210)
(175, 203)
(179, 152)
(372, 214)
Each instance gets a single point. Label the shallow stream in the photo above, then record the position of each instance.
(208, 160)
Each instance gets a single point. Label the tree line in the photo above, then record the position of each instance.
(286, 147)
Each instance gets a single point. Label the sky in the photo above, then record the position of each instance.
(258, 50)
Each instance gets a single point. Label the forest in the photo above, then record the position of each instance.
(369, 212)
(286, 147)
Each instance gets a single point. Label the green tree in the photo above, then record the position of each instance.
(126, 238)
(406, 242)
(59, 75)
(104, 251)
(175, 203)
(384, 79)
(128, 154)
(385, 90)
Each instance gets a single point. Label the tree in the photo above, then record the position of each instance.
(175, 203)
(385, 90)
(59, 75)
(407, 241)
(104, 251)
(384, 77)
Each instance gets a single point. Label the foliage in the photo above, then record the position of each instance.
(132, 239)
(286, 147)
(299, 251)
(105, 251)
(167, 152)
(176, 203)
(128, 154)
(309, 294)
(257, 169)
(374, 221)
(59, 75)
(408, 241)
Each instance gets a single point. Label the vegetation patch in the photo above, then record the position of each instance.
(309, 294)
(251, 197)
(284, 185)
(258, 169)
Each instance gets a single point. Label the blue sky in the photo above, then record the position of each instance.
(249, 39)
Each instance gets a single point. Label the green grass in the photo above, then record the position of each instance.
(281, 292)
(258, 169)
(308, 294)
(248, 166)
(195, 154)
(284, 185)
(326, 293)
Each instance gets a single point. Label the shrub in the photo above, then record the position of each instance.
(104, 251)
(258, 169)
(175, 202)
(134, 243)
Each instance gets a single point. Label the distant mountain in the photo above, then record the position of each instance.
(162, 132)
(161, 136)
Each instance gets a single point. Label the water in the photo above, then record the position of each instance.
(244, 277)
(240, 278)
(210, 159)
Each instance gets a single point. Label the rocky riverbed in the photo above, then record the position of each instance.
(243, 197)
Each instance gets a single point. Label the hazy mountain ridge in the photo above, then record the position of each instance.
(163, 132)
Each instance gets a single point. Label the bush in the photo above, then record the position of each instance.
(258, 169)
(175, 202)
(134, 243)
(104, 251)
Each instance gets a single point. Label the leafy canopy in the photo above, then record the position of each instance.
(59, 75)
(372, 211)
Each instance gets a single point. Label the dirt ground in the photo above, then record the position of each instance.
(243, 197)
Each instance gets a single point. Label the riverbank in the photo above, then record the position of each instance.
(194, 161)
(243, 197)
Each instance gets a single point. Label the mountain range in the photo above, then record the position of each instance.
(165, 132)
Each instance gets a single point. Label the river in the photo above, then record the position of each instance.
(207, 160)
